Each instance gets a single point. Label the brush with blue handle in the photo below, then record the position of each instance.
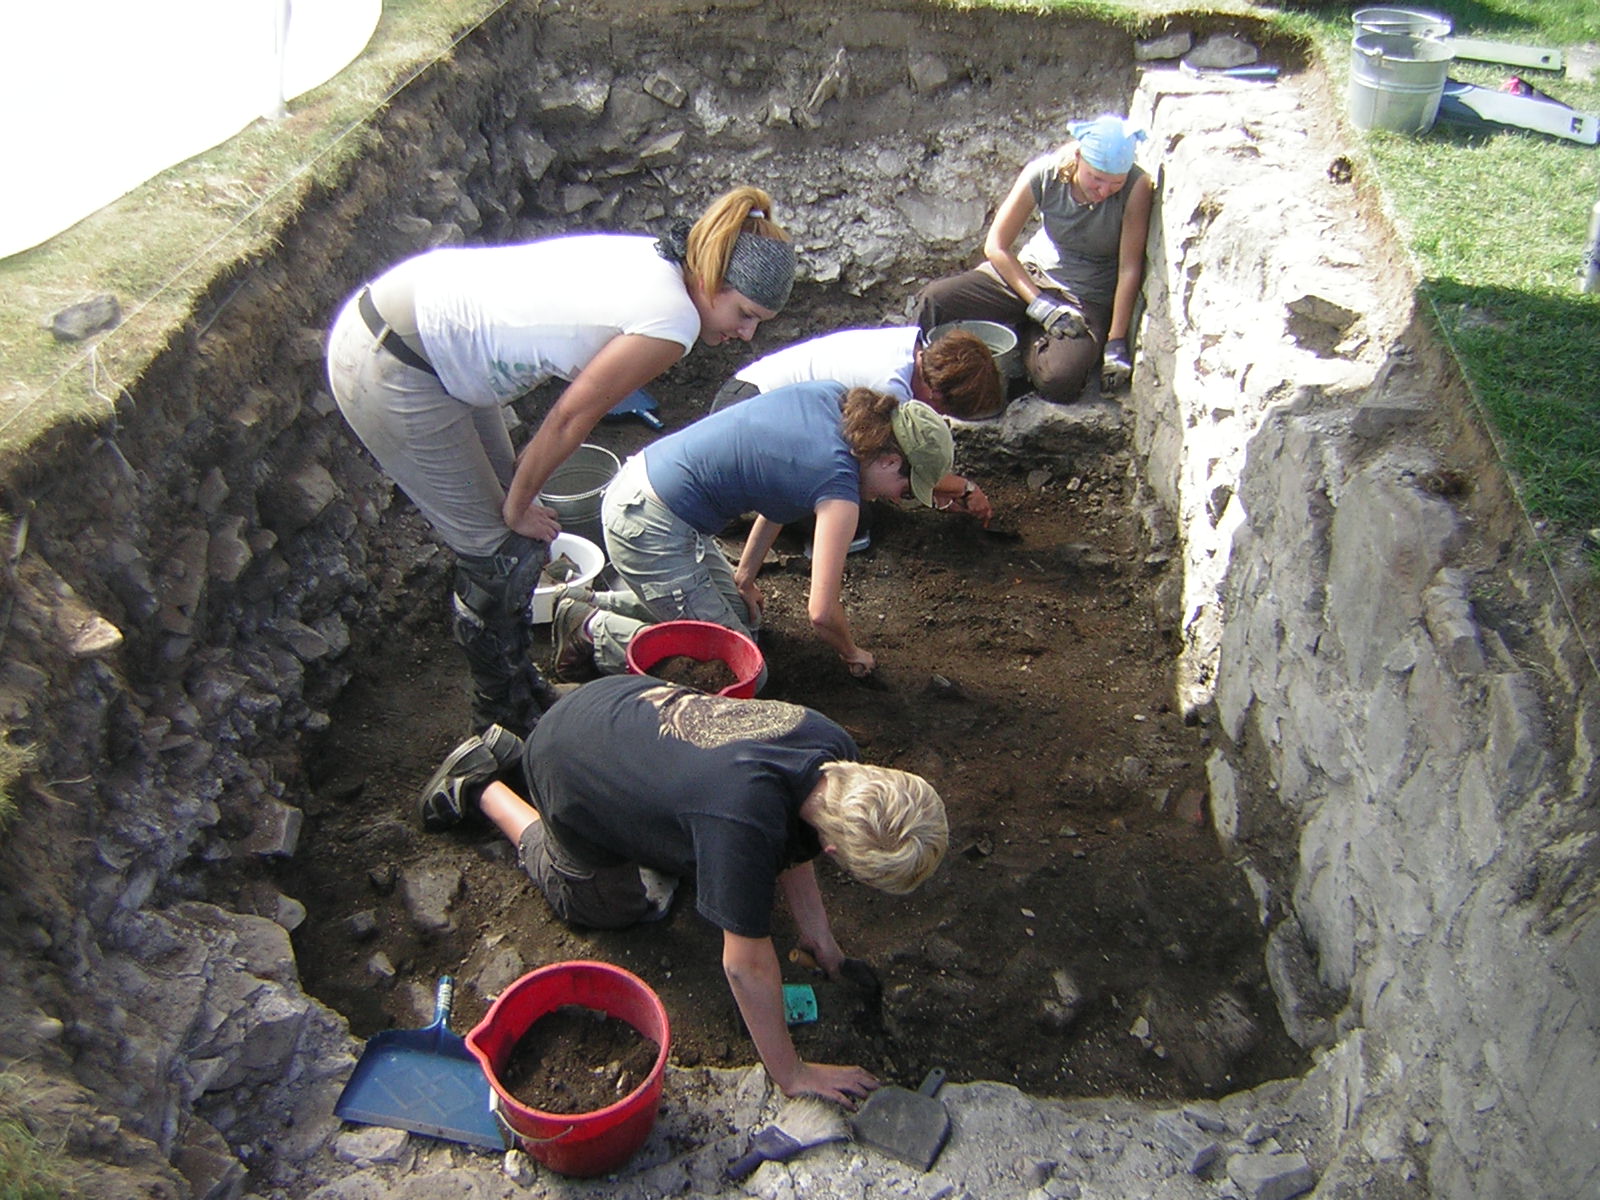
(802, 1124)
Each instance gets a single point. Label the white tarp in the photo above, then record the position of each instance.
(96, 96)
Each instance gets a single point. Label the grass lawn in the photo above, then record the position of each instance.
(1497, 221)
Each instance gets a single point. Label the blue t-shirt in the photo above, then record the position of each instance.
(629, 769)
(779, 454)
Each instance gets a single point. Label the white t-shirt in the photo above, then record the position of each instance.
(496, 321)
(881, 359)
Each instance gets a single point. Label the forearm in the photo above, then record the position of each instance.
(830, 623)
(756, 980)
(763, 533)
(804, 900)
(1009, 267)
(561, 433)
(1128, 281)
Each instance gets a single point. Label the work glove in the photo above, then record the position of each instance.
(1058, 319)
(1115, 366)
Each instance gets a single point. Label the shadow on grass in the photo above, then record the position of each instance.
(1532, 360)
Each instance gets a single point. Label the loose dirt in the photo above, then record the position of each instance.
(1085, 935)
(577, 1060)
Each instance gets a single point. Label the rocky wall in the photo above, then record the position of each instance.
(1407, 717)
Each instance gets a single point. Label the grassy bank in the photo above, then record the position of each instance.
(1497, 219)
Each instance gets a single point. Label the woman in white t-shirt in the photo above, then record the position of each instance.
(423, 359)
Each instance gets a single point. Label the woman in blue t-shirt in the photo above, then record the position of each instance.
(810, 448)
(1070, 290)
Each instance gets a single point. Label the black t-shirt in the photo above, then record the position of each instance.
(631, 769)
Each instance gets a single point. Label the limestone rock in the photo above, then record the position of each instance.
(1222, 50)
(78, 322)
(1174, 43)
(942, 219)
(928, 73)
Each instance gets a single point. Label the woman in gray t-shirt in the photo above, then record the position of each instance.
(1070, 291)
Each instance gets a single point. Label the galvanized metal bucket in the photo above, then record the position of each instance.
(1396, 81)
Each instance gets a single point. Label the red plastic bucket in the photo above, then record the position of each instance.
(581, 1144)
(703, 641)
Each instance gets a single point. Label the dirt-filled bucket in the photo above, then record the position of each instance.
(575, 487)
(579, 1144)
(1396, 81)
(703, 641)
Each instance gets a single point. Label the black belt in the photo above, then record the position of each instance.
(388, 338)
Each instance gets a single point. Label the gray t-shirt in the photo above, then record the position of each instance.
(1076, 244)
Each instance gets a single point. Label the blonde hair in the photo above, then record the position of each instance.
(869, 423)
(887, 828)
(1067, 172)
(712, 237)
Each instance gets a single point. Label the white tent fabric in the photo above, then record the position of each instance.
(96, 96)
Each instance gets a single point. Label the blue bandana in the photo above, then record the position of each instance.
(1107, 143)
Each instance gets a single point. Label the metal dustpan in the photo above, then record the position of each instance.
(423, 1081)
(639, 404)
(910, 1126)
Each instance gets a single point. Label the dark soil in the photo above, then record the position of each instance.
(1085, 935)
(577, 1060)
(711, 676)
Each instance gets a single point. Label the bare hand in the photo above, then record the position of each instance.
(978, 505)
(754, 601)
(828, 958)
(860, 662)
(538, 522)
(847, 1086)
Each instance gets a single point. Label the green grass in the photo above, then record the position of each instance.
(1497, 221)
(159, 246)
(29, 1169)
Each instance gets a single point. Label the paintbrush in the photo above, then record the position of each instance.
(799, 1125)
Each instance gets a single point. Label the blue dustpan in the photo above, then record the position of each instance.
(423, 1081)
(639, 404)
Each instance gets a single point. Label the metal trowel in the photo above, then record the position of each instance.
(910, 1126)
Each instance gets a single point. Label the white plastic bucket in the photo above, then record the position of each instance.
(1396, 81)
(575, 487)
(589, 559)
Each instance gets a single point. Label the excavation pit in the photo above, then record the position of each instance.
(1231, 706)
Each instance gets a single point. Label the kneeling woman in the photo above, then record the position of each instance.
(808, 448)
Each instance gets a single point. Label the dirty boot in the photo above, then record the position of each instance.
(489, 621)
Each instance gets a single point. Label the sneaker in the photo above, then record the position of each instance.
(451, 793)
(659, 890)
(574, 649)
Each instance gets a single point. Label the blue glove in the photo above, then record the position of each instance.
(1058, 319)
